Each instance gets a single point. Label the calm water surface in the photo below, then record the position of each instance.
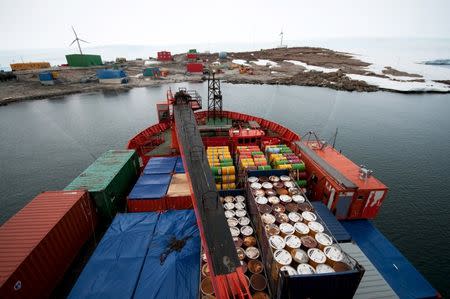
(405, 139)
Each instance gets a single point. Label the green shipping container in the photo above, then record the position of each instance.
(82, 60)
(192, 51)
(109, 180)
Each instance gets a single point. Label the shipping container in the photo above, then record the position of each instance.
(29, 66)
(178, 195)
(194, 67)
(38, 244)
(108, 180)
(148, 193)
(152, 72)
(341, 184)
(133, 259)
(45, 76)
(192, 56)
(83, 60)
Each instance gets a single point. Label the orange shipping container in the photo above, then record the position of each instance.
(38, 244)
(29, 66)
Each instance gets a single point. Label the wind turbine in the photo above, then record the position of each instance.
(77, 40)
(281, 41)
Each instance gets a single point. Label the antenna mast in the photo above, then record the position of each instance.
(215, 102)
(281, 41)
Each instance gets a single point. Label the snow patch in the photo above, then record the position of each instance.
(401, 85)
(265, 62)
(240, 62)
(151, 62)
(309, 67)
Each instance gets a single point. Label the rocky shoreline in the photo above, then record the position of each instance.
(302, 66)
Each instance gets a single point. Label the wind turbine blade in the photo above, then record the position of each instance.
(83, 40)
(73, 42)
(74, 32)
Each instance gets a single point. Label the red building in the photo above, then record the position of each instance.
(164, 56)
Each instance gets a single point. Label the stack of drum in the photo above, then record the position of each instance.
(282, 157)
(247, 246)
(252, 158)
(297, 238)
(221, 163)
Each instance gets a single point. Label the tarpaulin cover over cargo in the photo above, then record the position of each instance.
(133, 260)
(111, 74)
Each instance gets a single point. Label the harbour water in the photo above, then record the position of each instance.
(404, 138)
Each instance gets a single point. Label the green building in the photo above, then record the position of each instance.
(83, 59)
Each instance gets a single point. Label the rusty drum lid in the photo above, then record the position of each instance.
(282, 257)
(298, 198)
(277, 242)
(334, 253)
(309, 216)
(305, 269)
(316, 227)
(290, 270)
(317, 255)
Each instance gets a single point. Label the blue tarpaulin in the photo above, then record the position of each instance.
(111, 74)
(399, 273)
(160, 165)
(155, 191)
(179, 168)
(127, 264)
(114, 268)
(154, 179)
(333, 225)
(178, 276)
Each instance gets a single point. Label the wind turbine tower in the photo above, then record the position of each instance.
(77, 39)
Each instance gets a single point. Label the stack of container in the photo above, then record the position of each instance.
(163, 185)
(282, 157)
(221, 163)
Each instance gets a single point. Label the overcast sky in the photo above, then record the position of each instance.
(47, 24)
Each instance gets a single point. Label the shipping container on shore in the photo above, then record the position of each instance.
(83, 60)
(194, 67)
(39, 243)
(134, 260)
(29, 66)
(108, 180)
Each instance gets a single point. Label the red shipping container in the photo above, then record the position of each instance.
(179, 203)
(191, 55)
(146, 205)
(194, 67)
(38, 244)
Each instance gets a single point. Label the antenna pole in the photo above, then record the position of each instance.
(281, 42)
(335, 136)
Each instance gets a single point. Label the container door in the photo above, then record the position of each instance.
(343, 205)
(331, 199)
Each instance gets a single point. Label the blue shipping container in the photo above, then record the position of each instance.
(127, 261)
(45, 76)
(403, 278)
(160, 165)
(333, 225)
(111, 74)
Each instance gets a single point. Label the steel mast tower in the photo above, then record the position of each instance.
(215, 103)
